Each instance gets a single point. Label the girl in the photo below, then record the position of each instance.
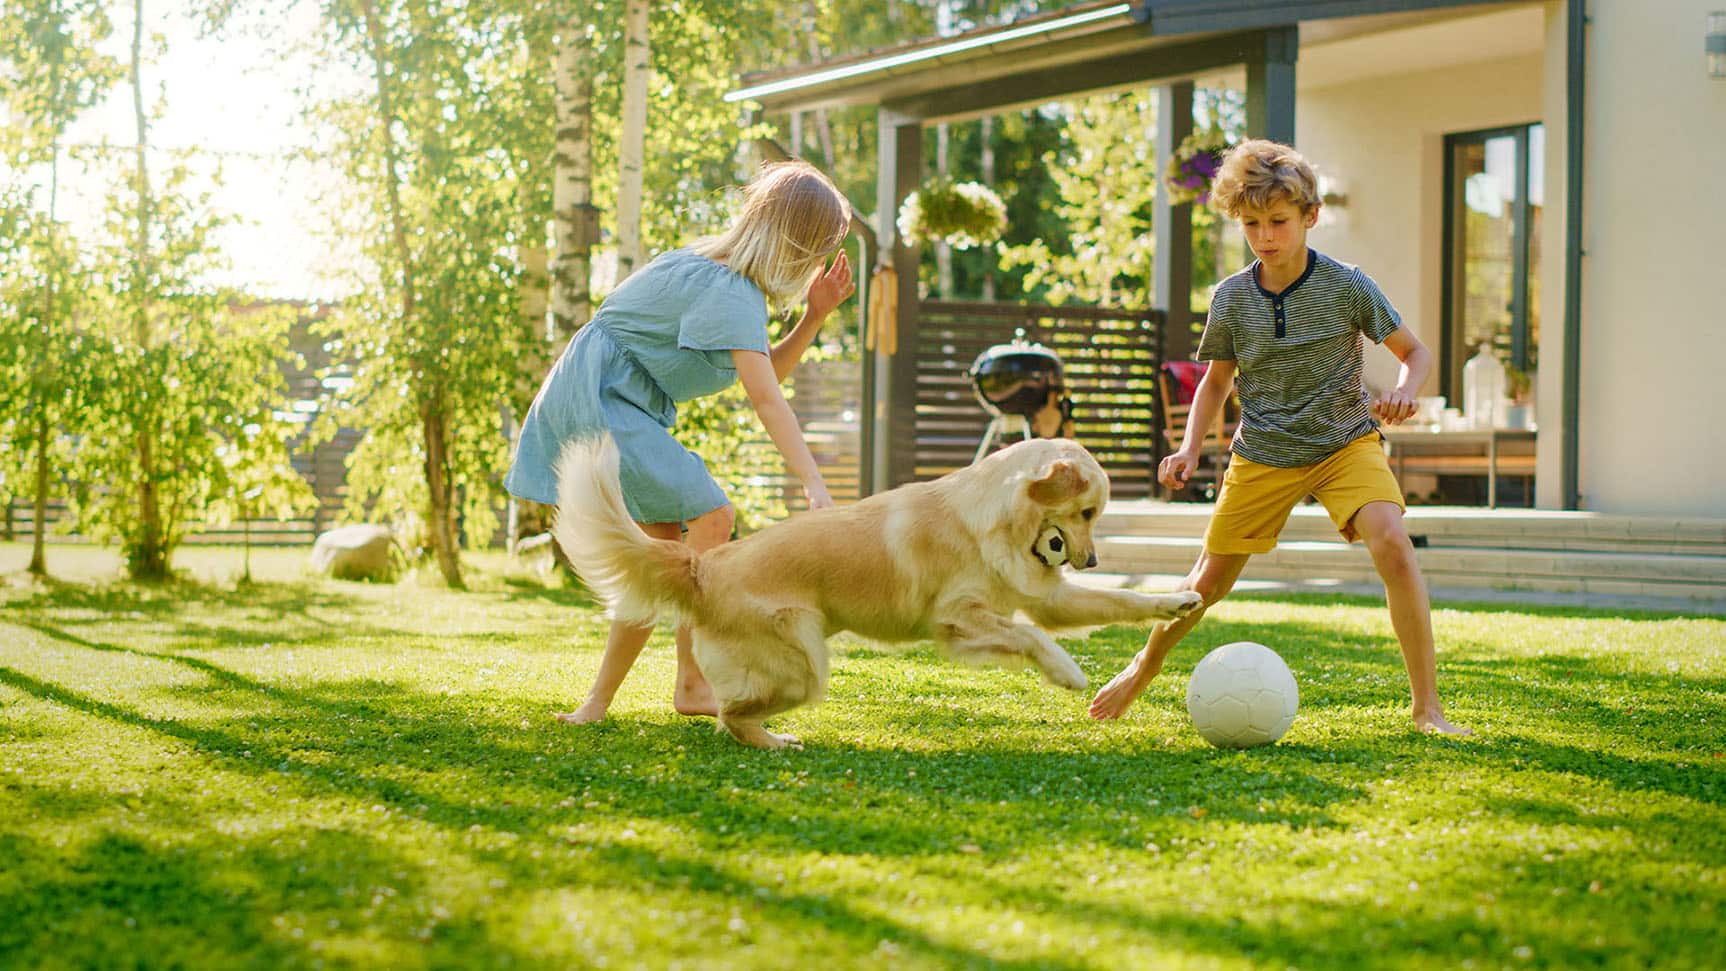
(685, 326)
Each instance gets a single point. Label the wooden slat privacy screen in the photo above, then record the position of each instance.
(1110, 359)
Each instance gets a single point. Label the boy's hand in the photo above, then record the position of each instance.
(832, 288)
(1174, 470)
(1394, 407)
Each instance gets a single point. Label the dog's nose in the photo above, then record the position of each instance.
(1091, 560)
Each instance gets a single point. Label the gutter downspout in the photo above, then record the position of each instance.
(1576, 50)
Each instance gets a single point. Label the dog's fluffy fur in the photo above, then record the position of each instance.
(950, 560)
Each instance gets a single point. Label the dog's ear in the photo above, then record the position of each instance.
(1061, 481)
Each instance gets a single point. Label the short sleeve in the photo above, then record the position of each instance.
(1217, 343)
(1373, 314)
(731, 316)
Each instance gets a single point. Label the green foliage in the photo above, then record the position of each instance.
(229, 778)
(471, 197)
(1105, 174)
(187, 384)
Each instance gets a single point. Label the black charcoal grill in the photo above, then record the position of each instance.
(1013, 382)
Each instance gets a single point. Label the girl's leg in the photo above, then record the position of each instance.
(622, 646)
(1380, 525)
(692, 695)
(1213, 576)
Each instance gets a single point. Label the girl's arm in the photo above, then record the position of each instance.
(829, 290)
(1398, 404)
(756, 372)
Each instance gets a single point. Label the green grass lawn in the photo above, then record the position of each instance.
(307, 773)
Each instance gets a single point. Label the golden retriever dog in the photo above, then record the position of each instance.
(955, 560)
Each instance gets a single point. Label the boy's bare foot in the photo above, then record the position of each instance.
(1438, 724)
(1118, 695)
(591, 711)
(694, 697)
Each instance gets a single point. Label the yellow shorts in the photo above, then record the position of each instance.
(1256, 499)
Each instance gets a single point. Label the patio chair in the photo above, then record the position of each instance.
(1177, 382)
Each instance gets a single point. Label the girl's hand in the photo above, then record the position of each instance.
(816, 493)
(1394, 407)
(831, 288)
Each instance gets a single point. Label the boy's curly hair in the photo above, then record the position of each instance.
(1258, 174)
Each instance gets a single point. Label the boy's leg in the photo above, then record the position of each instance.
(622, 646)
(692, 694)
(1251, 509)
(1213, 576)
(1380, 526)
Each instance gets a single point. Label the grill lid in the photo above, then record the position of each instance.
(1016, 378)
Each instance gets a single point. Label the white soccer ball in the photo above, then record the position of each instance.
(1242, 695)
(1051, 546)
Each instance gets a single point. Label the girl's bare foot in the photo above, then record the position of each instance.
(591, 711)
(693, 696)
(1437, 723)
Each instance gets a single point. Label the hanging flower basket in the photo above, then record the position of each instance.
(964, 214)
(1194, 165)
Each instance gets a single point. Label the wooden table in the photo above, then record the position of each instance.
(1475, 451)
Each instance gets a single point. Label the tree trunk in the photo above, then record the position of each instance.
(440, 489)
(39, 529)
(823, 128)
(572, 184)
(631, 145)
(432, 401)
(148, 558)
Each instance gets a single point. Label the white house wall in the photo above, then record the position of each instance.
(1652, 425)
(1382, 139)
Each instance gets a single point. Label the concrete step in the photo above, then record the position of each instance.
(1454, 526)
(1661, 580)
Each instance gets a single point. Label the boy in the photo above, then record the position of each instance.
(1287, 330)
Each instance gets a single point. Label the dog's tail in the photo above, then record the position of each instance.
(637, 576)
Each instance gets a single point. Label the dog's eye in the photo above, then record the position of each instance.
(1089, 514)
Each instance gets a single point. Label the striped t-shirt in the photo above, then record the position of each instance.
(1299, 358)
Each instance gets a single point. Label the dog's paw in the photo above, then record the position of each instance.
(1186, 601)
(1063, 671)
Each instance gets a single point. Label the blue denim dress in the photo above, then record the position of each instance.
(664, 336)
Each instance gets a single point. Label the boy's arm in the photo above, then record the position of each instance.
(756, 372)
(1397, 405)
(1213, 392)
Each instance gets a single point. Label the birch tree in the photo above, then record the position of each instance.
(574, 219)
(630, 144)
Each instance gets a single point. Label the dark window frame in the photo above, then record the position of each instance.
(1451, 356)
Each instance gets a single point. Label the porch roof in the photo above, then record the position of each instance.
(1079, 49)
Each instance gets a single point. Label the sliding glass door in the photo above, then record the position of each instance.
(1493, 198)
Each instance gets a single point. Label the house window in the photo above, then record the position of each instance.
(1494, 192)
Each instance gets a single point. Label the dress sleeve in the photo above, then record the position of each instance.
(1217, 343)
(730, 317)
(1373, 314)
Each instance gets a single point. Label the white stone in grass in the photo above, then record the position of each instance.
(358, 552)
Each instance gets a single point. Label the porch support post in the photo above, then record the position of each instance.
(1172, 266)
(890, 381)
(1271, 86)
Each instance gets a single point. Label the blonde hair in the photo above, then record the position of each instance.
(1258, 174)
(793, 218)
